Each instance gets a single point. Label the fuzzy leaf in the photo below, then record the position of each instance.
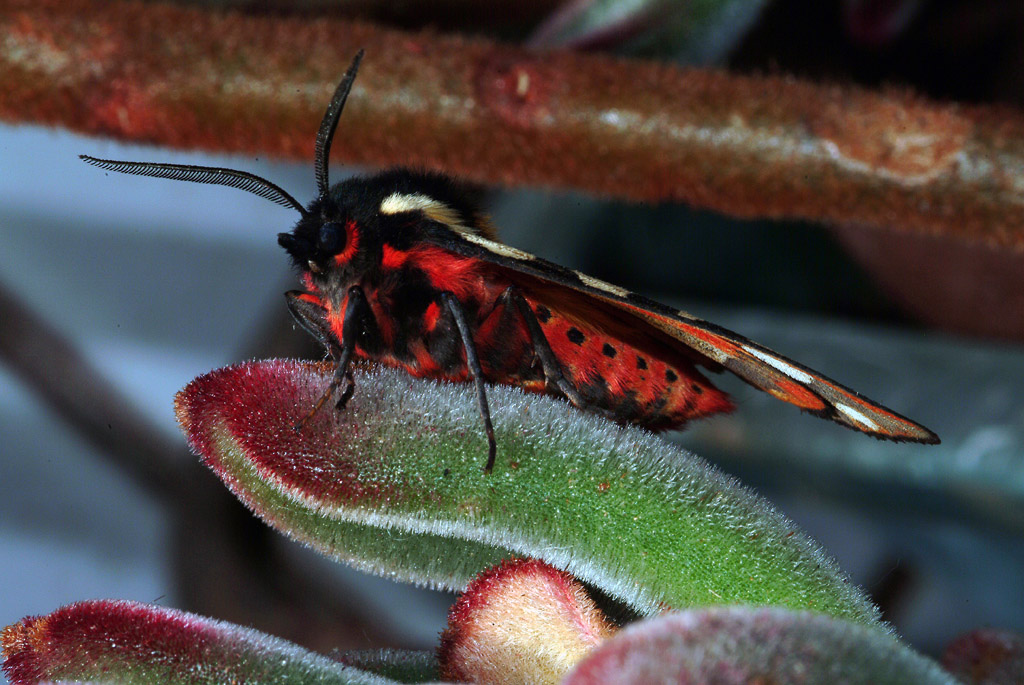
(128, 642)
(520, 622)
(405, 666)
(735, 645)
(393, 485)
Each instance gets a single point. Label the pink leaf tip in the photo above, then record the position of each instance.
(520, 621)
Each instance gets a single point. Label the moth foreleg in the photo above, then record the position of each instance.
(473, 362)
(311, 317)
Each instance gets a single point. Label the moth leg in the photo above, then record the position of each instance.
(473, 362)
(553, 375)
(311, 317)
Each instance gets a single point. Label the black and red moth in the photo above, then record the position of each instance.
(402, 269)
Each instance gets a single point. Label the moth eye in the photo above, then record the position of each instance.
(331, 238)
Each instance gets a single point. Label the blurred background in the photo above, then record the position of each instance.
(116, 291)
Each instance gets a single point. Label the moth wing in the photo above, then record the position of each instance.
(647, 322)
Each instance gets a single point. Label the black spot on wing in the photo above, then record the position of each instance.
(543, 313)
(608, 350)
(575, 336)
(671, 376)
(641, 363)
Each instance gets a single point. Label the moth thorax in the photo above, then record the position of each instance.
(436, 210)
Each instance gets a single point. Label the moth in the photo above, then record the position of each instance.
(402, 269)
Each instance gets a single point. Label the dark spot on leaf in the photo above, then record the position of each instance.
(608, 350)
(543, 313)
(671, 376)
(641, 363)
(575, 335)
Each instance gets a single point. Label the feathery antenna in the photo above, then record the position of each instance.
(202, 174)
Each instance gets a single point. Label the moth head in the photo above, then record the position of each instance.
(325, 237)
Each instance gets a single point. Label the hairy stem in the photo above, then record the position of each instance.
(748, 146)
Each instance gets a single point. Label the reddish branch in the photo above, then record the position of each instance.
(748, 146)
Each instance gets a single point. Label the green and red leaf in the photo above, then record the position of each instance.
(736, 645)
(393, 485)
(130, 642)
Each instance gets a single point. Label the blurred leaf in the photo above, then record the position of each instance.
(754, 645)
(393, 485)
(690, 30)
(986, 657)
(878, 22)
(129, 642)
